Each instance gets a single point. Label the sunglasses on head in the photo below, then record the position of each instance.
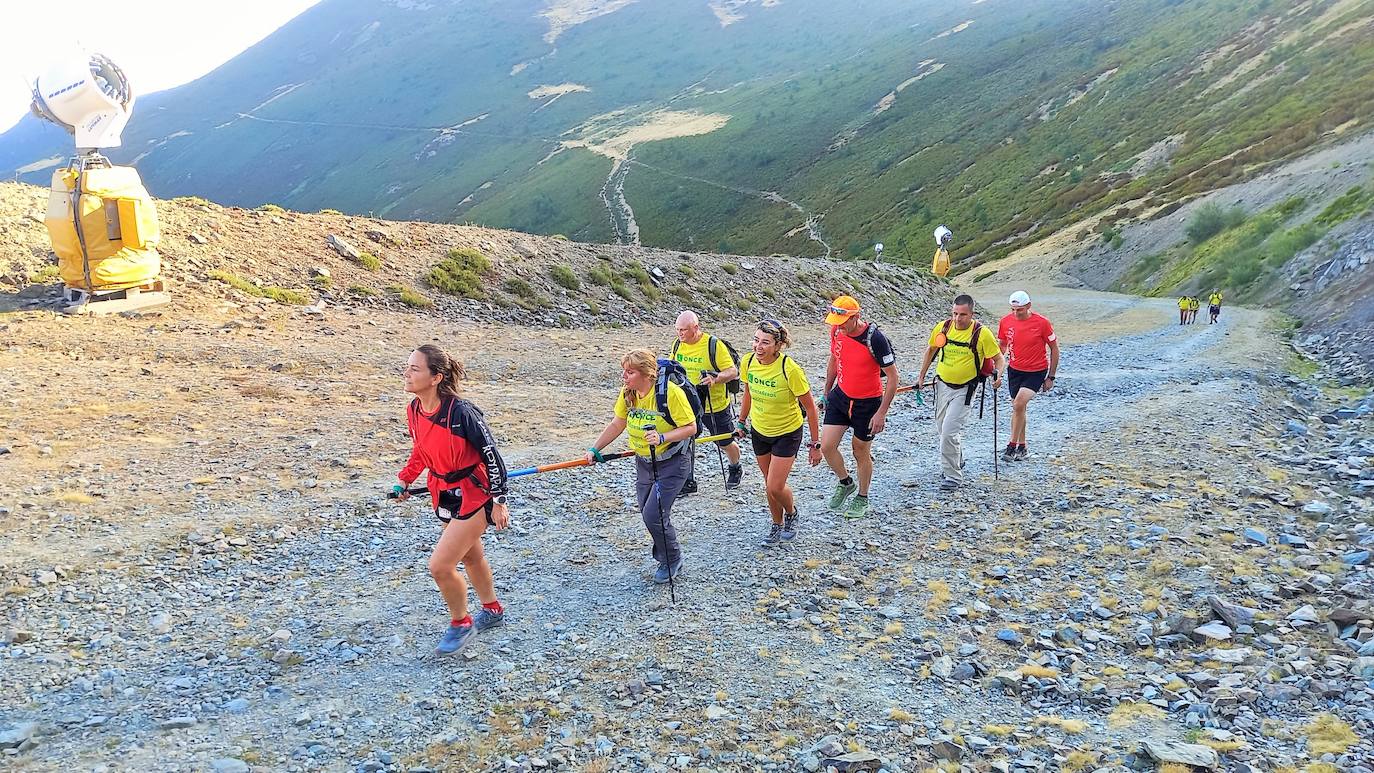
(770, 326)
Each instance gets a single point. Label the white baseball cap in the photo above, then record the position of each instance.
(1019, 299)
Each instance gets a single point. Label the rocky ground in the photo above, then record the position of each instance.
(200, 572)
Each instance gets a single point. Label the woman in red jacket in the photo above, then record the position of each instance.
(466, 477)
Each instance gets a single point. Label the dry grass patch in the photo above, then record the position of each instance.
(1130, 713)
(1327, 733)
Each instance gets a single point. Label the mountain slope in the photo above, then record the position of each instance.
(731, 125)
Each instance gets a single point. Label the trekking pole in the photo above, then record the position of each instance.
(996, 474)
(662, 522)
(720, 455)
(395, 493)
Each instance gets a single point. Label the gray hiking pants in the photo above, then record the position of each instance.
(672, 474)
(950, 415)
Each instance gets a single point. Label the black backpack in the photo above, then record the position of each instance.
(672, 370)
(732, 387)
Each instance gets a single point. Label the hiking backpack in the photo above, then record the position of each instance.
(983, 369)
(732, 387)
(867, 340)
(672, 370)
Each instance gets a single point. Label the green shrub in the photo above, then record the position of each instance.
(460, 273)
(593, 308)
(329, 212)
(600, 276)
(650, 292)
(520, 288)
(559, 237)
(369, 261)
(273, 208)
(323, 281)
(359, 290)
(770, 294)
(687, 271)
(1210, 219)
(411, 298)
(743, 304)
(45, 275)
(190, 201)
(620, 288)
(637, 272)
(564, 276)
(683, 293)
(729, 268)
(278, 294)
(1351, 203)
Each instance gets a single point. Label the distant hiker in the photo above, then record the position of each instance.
(776, 393)
(1193, 305)
(659, 442)
(450, 438)
(710, 364)
(1214, 306)
(1183, 306)
(1024, 337)
(855, 397)
(968, 353)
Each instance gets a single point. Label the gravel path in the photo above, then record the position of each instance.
(1037, 623)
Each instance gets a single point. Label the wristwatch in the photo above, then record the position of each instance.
(499, 499)
(815, 445)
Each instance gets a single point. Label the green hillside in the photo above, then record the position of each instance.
(880, 119)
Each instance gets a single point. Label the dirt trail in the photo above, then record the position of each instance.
(236, 589)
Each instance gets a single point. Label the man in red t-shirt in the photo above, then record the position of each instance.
(860, 382)
(1025, 336)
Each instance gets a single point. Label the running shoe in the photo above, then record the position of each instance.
(485, 618)
(1009, 455)
(789, 527)
(455, 638)
(1021, 453)
(858, 508)
(661, 576)
(774, 535)
(732, 477)
(842, 493)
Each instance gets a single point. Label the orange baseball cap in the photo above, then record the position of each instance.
(841, 309)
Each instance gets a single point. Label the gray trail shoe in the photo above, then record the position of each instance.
(774, 535)
(789, 527)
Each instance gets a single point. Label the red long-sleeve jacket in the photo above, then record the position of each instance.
(454, 444)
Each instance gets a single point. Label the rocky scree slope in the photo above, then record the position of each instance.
(328, 259)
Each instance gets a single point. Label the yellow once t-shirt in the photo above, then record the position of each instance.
(1184, 303)
(696, 358)
(773, 392)
(645, 411)
(956, 362)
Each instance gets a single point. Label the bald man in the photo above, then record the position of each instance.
(711, 366)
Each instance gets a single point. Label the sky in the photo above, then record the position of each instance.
(158, 43)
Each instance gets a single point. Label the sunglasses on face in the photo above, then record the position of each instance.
(842, 312)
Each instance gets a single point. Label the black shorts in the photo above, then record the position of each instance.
(782, 446)
(451, 507)
(1214, 310)
(1027, 379)
(719, 423)
(844, 411)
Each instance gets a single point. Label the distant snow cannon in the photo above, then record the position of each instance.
(101, 220)
(939, 265)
